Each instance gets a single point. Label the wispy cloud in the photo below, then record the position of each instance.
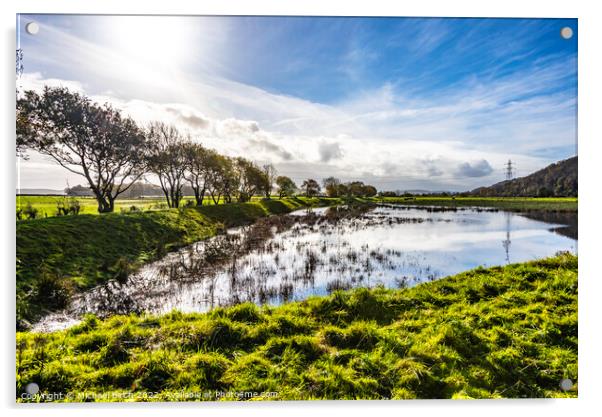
(387, 131)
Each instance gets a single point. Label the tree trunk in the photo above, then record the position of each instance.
(199, 195)
(167, 197)
(105, 205)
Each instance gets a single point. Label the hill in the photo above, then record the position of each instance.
(39, 191)
(555, 180)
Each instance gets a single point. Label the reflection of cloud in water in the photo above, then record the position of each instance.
(292, 257)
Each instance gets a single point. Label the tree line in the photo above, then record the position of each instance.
(113, 153)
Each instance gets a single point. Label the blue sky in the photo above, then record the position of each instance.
(399, 102)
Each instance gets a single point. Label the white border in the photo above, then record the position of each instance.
(590, 135)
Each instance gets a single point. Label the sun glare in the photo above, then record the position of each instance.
(159, 41)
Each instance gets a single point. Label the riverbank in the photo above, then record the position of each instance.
(503, 203)
(502, 332)
(60, 256)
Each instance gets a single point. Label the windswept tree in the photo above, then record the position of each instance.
(286, 186)
(167, 160)
(87, 139)
(311, 187)
(270, 176)
(198, 173)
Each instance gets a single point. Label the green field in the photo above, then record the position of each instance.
(503, 332)
(502, 203)
(47, 205)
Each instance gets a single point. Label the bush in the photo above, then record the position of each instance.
(53, 291)
(30, 211)
(66, 207)
(122, 269)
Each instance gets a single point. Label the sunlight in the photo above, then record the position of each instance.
(158, 41)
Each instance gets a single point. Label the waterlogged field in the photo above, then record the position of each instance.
(504, 332)
(317, 251)
(276, 304)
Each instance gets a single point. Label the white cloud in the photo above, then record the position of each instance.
(480, 168)
(300, 151)
(457, 139)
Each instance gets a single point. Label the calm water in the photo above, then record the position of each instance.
(313, 253)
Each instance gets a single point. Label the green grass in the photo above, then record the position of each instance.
(502, 203)
(57, 256)
(503, 332)
(47, 205)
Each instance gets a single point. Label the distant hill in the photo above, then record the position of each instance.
(416, 192)
(39, 191)
(556, 180)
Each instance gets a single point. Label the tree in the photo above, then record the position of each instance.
(369, 191)
(311, 187)
(197, 169)
(332, 186)
(85, 138)
(251, 179)
(167, 160)
(270, 175)
(221, 177)
(286, 186)
(356, 188)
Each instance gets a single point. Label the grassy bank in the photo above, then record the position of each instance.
(58, 256)
(486, 333)
(46, 206)
(502, 203)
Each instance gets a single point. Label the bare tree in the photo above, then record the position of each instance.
(85, 138)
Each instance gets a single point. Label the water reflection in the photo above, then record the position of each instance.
(291, 257)
(507, 242)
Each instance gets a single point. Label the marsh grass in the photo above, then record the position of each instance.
(503, 332)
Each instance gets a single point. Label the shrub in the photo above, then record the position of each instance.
(122, 269)
(52, 290)
(30, 211)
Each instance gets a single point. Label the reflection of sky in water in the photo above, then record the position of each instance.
(386, 246)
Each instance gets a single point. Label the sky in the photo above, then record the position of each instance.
(401, 103)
